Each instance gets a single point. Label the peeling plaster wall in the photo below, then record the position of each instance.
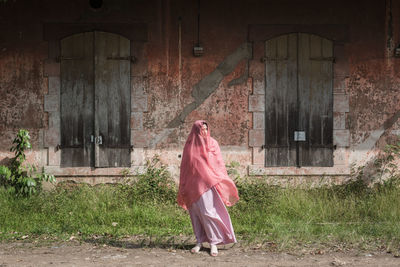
(21, 104)
(175, 88)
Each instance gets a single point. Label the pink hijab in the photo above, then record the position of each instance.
(202, 167)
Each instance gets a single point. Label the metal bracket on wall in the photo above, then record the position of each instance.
(265, 59)
(59, 58)
(132, 59)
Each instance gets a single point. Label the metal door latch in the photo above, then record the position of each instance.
(97, 140)
(299, 136)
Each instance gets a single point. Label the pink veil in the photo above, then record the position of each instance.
(202, 167)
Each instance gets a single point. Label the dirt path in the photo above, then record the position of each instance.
(88, 254)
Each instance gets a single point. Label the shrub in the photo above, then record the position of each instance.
(19, 178)
(155, 184)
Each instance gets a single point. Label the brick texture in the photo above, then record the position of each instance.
(51, 103)
(54, 85)
(139, 85)
(256, 103)
(137, 120)
(139, 103)
(258, 120)
(51, 137)
(51, 69)
(256, 138)
(54, 156)
(339, 120)
(258, 156)
(341, 138)
(140, 138)
(340, 103)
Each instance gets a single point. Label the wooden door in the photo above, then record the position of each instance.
(112, 100)
(298, 101)
(281, 100)
(77, 100)
(315, 76)
(95, 100)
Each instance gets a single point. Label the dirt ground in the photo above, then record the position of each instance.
(95, 254)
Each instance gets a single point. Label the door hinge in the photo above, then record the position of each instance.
(129, 58)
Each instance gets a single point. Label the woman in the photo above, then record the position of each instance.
(204, 188)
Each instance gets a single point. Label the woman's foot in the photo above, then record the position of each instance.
(214, 250)
(196, 248)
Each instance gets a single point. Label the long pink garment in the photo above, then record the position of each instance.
(210, 219)
(202, 167)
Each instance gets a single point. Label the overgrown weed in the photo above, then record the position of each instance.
(270, 217)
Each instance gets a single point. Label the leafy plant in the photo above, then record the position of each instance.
(386, 162)
(21, 178)
(232, 171)
(154, 185)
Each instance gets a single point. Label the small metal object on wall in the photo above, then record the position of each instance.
(397, 51)
(198, 51)
(299, 136)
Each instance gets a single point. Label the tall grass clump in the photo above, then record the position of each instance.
(155, 185)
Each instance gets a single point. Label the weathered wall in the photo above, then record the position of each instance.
(173, 88)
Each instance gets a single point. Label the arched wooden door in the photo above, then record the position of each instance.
(299, 101)
(95, 100)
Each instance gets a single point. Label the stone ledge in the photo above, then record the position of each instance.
(259, 170)
(92, 172)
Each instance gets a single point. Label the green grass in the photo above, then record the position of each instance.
(351, 215)
(89, 211)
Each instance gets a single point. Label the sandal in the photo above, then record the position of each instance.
(214, 251)
(196, 248)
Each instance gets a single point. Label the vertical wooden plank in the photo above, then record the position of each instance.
(76, 100)
(292, 95)
(315, 99)
(304, 78)
(281, 83)
(112, 108)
